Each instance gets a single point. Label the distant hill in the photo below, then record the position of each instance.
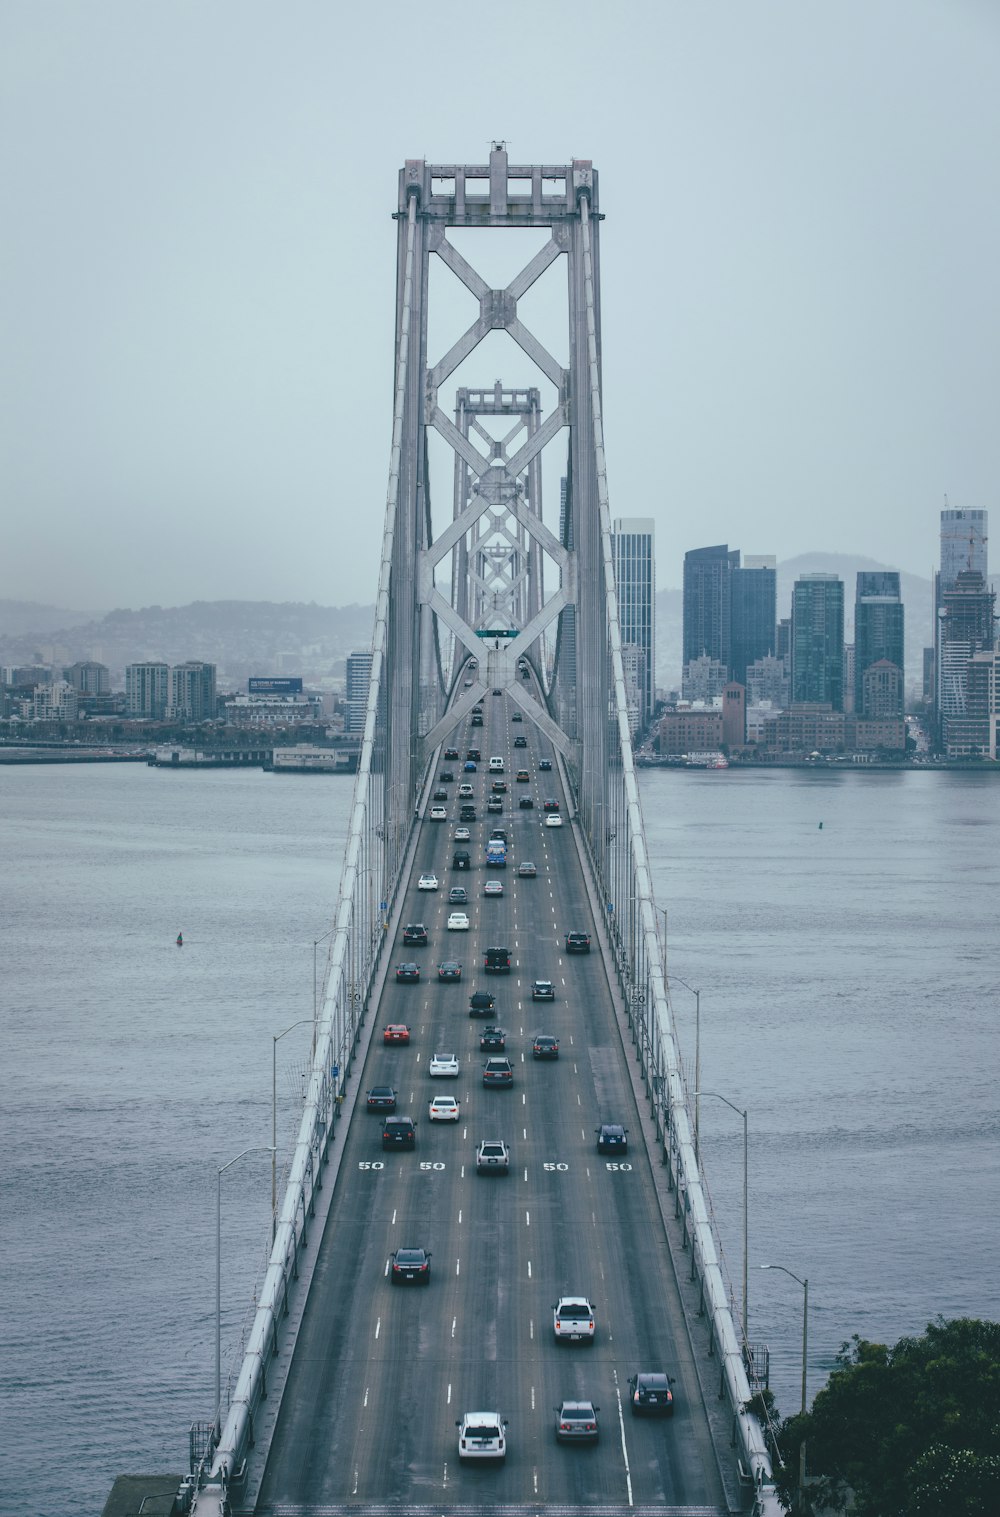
(916, 593)
(25, 617)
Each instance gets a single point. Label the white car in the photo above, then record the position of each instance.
(461, 834)
(458, 922)
(482, 1435)
(443, 1109)
(427, 882)
(493, 887)
(573, 1319)
(465, 792)
(492, 1157)
(553, 819)
(439, 814)
(444, 1065)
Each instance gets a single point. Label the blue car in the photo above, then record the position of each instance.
(470, 767)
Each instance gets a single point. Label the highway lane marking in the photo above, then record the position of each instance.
(527, 1218)
(458, 1266)
(386, 1270)
(524, 1131)
(454, 1322)
(355, 1490)
(459, 1216)
(449, 1393)
(394, 1216)
(526, 1174)
(364, 1399)
(378, 1327)
(532, 1398)
(621, 1424)
(534, 1478)
(529, 1277)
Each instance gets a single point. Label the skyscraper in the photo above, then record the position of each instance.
(359, 677)
(878, 629)
(818, 640)
(753, 598)
(965, 626)
(963, 543)
(192, 692)
(147, 690)
(632, 546)
(708, 574)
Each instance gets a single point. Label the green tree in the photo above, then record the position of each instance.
(912, 1431)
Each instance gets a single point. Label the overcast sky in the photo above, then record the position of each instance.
(799, 272)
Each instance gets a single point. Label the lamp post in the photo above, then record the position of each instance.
(805, 1350)
(258, 1148)
(275, 1040)
(316, 942)
(697, 1053)
(739, 1113)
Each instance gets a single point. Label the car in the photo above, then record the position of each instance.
(481, 1003)
(482, 1435)
(461, 835)
(474, 756)
(523, 777)
(527, 870)
(439, 813)
(550, 804)
(520, 741)
(492, 1157)
(496, 763)
(427, 882)
(544, 1047)
(467, 813)
(499, 787)
(396, 1032)
(493, 887)
(498, 835)
(415, 935)
(545, 765)
(477, 709)
(573, 1320)
(543, 990)
(498, 1072)
(649, 1392)
(450, 754)
(497, 961)
(576, 1422)
(469, 766)
(526, 803)
(494, 805)
(398, 1132)
(458, 921)
(443, 1109)
(498, 692)
(517, 717)
(555, 820)
(578, 942)
(443, 1066)
(477, 721)
(461, 859)
(408, 974)
(447, 776)
(449, 970)
(612, 1138)
(465, 792)
(440, 795)
(458, 896)
(381, 1098)
(493, 1038)
(410, 1266)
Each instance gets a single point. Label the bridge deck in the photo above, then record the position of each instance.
(380, 1375)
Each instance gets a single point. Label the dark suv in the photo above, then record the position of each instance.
(415, 933)
(578, 942)
(398, 1132)
(498, 1072)
(497, 961)
(650, 1392)
(481, 1003)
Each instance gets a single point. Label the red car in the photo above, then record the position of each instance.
(396, 1032)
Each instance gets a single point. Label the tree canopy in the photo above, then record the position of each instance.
(913, 1431)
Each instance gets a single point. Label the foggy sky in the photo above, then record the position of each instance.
(799, 273)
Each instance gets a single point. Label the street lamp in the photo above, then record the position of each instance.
(275, 1040)
(257, 1149)
(739, 1113)
(697, 1052)
(316, 943)
(805, 1350)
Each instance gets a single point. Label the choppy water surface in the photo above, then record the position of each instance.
(849, 1001)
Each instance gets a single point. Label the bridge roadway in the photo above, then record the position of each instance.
(381, 1374)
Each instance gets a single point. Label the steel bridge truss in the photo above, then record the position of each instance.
(423, 648)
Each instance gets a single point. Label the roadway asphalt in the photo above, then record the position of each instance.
(381, 1374)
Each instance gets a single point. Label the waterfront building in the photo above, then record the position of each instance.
(881, 691)
(804, 729)
(57, 702)
(966, 624)
(753, 601)
(768, 682)
(818, 641)
(88, 678)
(147, 690)
(734, 716)
(707, 610)
(690, 730)
(704, 679)
(878, 632)
(192, 692)
(359, 674)
(632, 547)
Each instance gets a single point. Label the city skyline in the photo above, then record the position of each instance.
(800, 286)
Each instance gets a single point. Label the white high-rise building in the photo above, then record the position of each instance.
(359, 677)
(147, 690)
(635, 578)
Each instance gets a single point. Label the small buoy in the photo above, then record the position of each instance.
(180, 935)
(820, 828)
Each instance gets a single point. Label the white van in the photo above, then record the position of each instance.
(496, 764)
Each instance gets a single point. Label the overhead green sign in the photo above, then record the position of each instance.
(497, 632)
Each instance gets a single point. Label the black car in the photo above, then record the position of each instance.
(649, 1392)
(497, 961)
(612, 1138)
(407, 974)
(498, 1072)
(381, 1098)
(440, 795)
(474, 755)
(544, 1047)
(481, 1003)
(451, 754)
(520, 741)
(447, 776)
(550, 804)
(477, 721)
(458, 896)
(498, 692)
(415, 935)
(461, 859)
(526, 803)
(578, 942)
(517, 717)
(399, 1132)
(467, 814)
(543, 990)
(545, 764)
(493, 1038)
(449, 970)
(410, 1266)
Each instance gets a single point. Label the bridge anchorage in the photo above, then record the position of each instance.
(463, 615)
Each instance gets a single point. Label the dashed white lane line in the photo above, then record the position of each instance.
(378, 1327)
(454, 1323)
(621, 1425)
